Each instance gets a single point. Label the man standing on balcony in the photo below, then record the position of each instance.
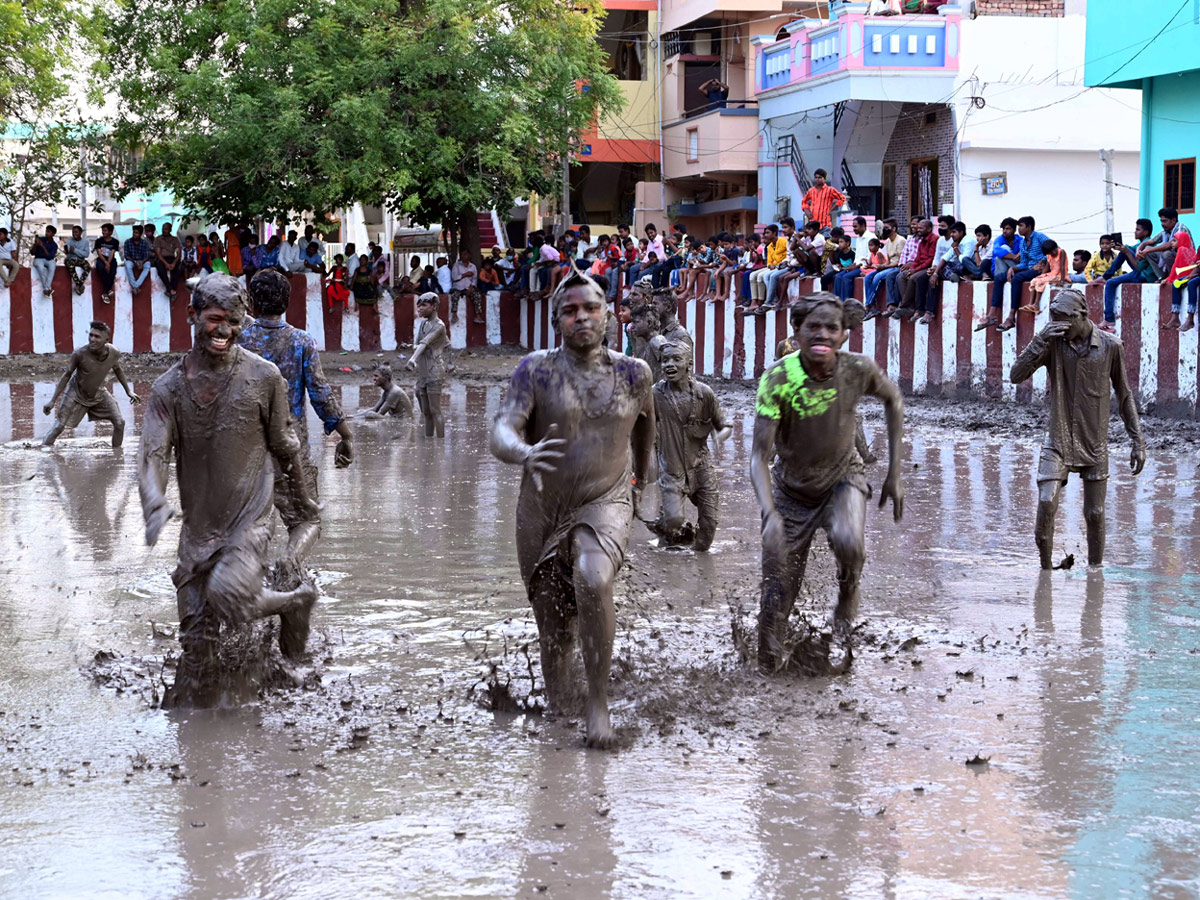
(717, 93)
(821, 199)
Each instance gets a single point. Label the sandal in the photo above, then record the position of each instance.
(990, 322)
(1006, 326)
(871, 314)
(1030, 308)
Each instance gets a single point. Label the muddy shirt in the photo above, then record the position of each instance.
(677, 334)
(294, 352)
(591, 485)
(1078, 394)
(395, 402)
(431, 365)
(223, 456)
(817, 423)
(683, 420)
(91, 373)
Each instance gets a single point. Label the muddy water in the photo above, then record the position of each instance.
(1080, 689)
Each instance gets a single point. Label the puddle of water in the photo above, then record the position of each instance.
(1078, 688)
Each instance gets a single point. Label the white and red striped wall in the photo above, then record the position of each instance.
(948, 358)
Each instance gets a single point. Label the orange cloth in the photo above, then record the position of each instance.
(1057, 273)
(233, 252)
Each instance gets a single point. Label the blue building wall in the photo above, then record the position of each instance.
(1170, 130)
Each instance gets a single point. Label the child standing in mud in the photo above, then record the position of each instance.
(570, 418)
(83, 382)
(686, 412)
(806, 412)
(222, 413)
(429, 360)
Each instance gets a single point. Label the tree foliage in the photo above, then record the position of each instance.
(433, 107)
(35, 37)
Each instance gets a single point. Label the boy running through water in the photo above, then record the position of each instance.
(87, 371)
(807, 404)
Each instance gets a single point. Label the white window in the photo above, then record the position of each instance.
(877, 43)
(894, 43)
(931, 44)
(693, 145)
(912, 43)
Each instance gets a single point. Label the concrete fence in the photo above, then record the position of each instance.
(947, 358)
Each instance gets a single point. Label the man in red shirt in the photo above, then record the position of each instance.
(821, 199)
(914, 277)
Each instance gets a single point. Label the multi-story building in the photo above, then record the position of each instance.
(1151, 55)
(978, 111)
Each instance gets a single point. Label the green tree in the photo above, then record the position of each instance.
(434, 108)
(35, 39)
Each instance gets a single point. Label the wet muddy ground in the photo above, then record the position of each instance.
(1003, 733)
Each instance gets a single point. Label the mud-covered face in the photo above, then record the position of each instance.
(1076, 323)
(217, 330)
(642, 325)
(97, 339)
(426, 309)
(821, 333)
(381, 379)
(674, 363)
(581, 319)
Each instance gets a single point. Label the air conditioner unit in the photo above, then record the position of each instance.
(702, 43)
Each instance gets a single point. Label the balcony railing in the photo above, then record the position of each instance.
(923, 44)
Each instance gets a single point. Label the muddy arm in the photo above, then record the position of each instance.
(285, 446)
(324, 401)
(154, 465)
(120, 376)
(1033, 357)
(765, 430)
(72, 365)
(643, 442)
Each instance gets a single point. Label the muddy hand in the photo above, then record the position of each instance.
(1137, 460)
(155, 522)
(134, 398)
(544, 456)
(895, 490)
(343, 454)
(46, 409)
(1055, 330)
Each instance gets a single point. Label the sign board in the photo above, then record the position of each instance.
(994, 183)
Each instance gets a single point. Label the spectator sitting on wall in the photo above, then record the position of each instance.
(843, 281)
(312, 260)
(269, 254)
(884, 8)
(136, 254)
(363, 285)
(442, 273)
(843, 260)
(717, 93)
(337, 293)
(1080, 260)
(1160, 252)
(1056, 273)
(1099, 262)
(693, 264)
(820, 200)
(77, 251)
(892, 246)
(978, 266)
(728, 258)
(251, 254)
(106, 250)
(45, 258)
(289, 254)
(428, 282)
(204, 255)
(949, 265)
(189, 257)
(1141, 272)
(8, 258)
(762, 281)
(711, 264)
(891, 276)
(1032, 264)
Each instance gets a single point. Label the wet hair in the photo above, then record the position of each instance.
(1070, 302)
(666, 301)
(220, 290)
(851, 311)
(574, 280)
(427, 297)
(646, 309)
(99, 326)
(269, 292)
(678, 346)
(384, 369)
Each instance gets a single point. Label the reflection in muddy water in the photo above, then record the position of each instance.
(389, 781)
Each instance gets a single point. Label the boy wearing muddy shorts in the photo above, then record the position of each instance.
(686, 412)
(84, 381)
(429, 360)
(806, 411)
(222, 413)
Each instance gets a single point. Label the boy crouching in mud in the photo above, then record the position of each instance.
(806, 411)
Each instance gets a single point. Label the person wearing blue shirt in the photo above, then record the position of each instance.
(1027, 268)
(45, 258)
(1142, 272)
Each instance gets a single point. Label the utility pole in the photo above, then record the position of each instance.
(1106, 157)
(566, 189)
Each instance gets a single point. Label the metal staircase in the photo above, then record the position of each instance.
(787, 150)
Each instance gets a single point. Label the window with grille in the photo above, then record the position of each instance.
(1179, 184)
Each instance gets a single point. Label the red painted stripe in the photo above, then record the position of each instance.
(143, 317)
(882, 327)
(856, 336)
(719, 336)
(333, 328)
(702, 310)
(20, 300)
(781, 326)
(738, 363)
(966, 326)
(760, 348)
(101, 311)
(297, 311)
(933, 362)
(22, 402)
(529, 322)
(907, 342)
(64, 340)
(406, 316)
(510, 319)
(1024, 333)
(1094, 293)
(368, 328)
(1168, 352)
(1131, 332)
(180, 338)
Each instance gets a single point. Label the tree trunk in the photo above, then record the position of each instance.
(468, 223)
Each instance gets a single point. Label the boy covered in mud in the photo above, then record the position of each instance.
(223, 414)
(393, 401)
(429, 360)
(1081, 363)
(644, 323)
(669, 325)
(83, 382)
(574, 417)
(806, 411)
(686, 412)
(294, 352)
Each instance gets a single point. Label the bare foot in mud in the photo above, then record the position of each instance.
(600, 735)
(294, 625)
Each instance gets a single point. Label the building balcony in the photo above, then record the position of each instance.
(716, 142)
(844, 59)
